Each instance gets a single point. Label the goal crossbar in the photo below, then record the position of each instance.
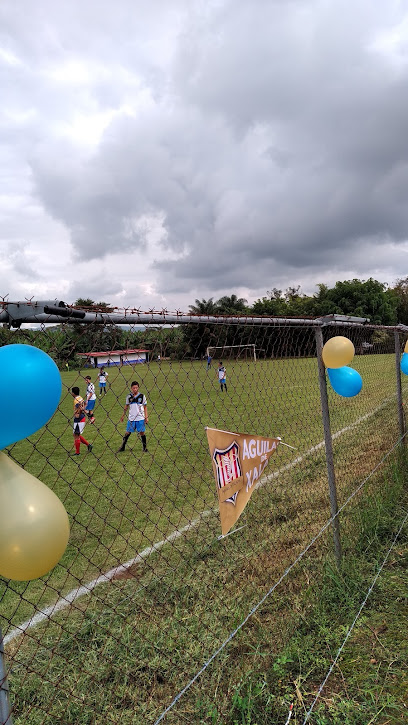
(224, 348)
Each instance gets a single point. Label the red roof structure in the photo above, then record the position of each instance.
(109, 352)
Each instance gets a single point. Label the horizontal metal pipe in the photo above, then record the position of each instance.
(53, 313)
(146, 319)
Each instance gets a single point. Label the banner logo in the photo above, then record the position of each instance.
(227, 464)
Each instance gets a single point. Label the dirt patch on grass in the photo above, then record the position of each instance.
(132, 572)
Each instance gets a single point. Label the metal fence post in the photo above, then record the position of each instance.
(401, 420)
(328, 445)
(5, 716)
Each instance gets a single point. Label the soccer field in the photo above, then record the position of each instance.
(119, 504)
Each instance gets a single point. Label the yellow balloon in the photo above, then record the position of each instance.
(34, 526)
(406, 346)
(337, 352)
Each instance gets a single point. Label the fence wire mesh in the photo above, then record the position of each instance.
(147, 591)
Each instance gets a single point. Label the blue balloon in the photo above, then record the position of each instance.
(404, 363)
(30, 390)
(345, 381)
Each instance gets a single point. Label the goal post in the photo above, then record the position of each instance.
(232, 351)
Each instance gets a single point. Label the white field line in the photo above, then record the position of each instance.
(67, 599)
(80, 591)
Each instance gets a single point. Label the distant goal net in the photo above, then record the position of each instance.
(232, 352)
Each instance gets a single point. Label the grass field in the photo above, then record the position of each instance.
(121, 503)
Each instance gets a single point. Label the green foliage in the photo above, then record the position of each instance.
(359, 298)
(245, 701)
(400, 293)
(84, 302)
(380, 337)
(291, 303)
(204, 307)
(197, 337)
(232, 305)
(274, 304)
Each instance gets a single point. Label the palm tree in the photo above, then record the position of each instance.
(231, 304)
(204, 307)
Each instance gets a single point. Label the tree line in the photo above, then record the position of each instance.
(380, 303)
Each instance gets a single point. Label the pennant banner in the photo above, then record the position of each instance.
(238, 461)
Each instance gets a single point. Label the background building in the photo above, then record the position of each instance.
(114, 357)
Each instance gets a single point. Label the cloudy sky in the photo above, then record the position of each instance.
(155, 151)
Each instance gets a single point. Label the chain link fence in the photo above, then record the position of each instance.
(147, 592)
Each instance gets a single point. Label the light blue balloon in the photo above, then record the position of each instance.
(345, 381)
(404, 363)
(30, 390)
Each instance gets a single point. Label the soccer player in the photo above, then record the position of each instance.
(209, 360)
(102, 382)
(90, 399)
(79, 421)
(136, 404)
(222, 376)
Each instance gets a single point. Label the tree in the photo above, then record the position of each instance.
(273, 304)
(198, 337)
(358, 298)
(91, 336)
(291, 303)
(87, 302)
(231, 305)
(204, 307)
(84, 302)
(400, 292)
(298, 304)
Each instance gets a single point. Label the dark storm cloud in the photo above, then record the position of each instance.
(266, 138)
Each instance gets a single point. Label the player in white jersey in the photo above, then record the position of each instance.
(222, 376)
(136, 405)
(103, 376)
(90, 398)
